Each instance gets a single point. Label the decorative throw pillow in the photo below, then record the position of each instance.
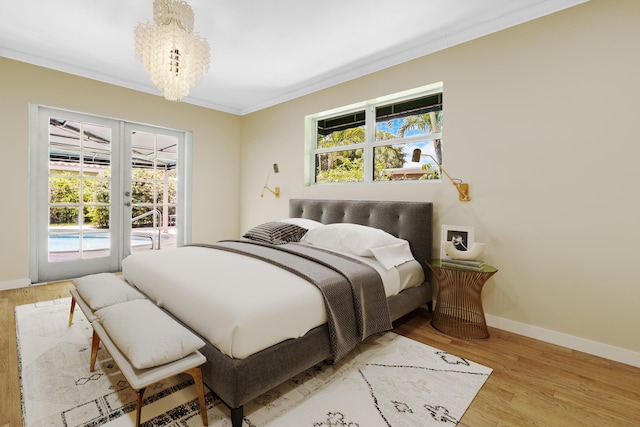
(276, 233)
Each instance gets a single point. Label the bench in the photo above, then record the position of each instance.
(157, 347)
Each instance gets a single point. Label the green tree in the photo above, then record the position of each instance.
(98, 191)
(142, 190)
(345, 170)
(348, 165)
(427, 122)
(64, 188)
(340, 166)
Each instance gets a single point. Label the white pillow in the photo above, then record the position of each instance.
(351, 238)
(146, 335)
(309, 224)
(393, 255)
(104, 289)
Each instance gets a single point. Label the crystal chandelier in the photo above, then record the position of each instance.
(171, 53)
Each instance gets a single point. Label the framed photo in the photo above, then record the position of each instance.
(460, 235)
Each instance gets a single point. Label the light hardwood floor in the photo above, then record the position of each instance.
(533, 383)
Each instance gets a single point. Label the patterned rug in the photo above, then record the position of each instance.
(389, 380)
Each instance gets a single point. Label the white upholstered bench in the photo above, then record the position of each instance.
(145, 342)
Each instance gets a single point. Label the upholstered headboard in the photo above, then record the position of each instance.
(411, 221)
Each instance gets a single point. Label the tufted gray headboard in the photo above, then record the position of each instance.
(411, 221)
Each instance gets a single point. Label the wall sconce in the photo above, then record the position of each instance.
(462, 187)
(275, 192)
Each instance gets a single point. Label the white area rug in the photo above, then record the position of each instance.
(389, 381)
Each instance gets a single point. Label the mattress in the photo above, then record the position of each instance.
(240, 304)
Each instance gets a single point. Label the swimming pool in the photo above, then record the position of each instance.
(93, 241)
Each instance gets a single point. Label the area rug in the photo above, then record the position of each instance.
(389, 380)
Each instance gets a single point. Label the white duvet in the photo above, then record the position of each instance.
(240, 304)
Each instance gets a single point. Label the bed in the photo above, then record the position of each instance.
(238, 373)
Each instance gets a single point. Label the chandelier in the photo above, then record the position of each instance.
(171, 53)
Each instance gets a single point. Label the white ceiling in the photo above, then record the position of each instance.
(263, 52)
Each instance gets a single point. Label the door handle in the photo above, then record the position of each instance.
(127, 204)
(127, 193)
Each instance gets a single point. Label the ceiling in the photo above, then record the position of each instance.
(262, 52)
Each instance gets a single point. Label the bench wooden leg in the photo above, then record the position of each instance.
(139, 405)
(196, 373)
(73, 307)
(95, 343)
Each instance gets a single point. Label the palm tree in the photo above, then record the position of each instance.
(348, 160)
(428, 122)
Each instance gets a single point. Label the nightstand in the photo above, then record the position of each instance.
(458, 310)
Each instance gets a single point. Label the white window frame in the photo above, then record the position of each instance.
(370, 143)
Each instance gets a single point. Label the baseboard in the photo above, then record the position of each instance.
(575, 343)
(14, 284)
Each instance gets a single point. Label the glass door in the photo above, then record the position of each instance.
(152, 193)
(102, 189)
(77, 178)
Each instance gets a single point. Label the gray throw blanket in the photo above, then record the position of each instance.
(353, 292)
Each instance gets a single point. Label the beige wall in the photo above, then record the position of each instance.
(216, 142)
(541, 119)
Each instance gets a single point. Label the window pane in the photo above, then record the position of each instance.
(142, 216)
(142, 192)
(63, 246)
(167, 191)
(96, 244)
(97, 216)
(141, 241)
(168, 149)
(342, 130)
(394, 162)
(64, 188)
(63, 234)
(421, 116)
(340, 166)
(63, 216)
(64, 141)
(96, 190)
(96, 147)
(142, 149)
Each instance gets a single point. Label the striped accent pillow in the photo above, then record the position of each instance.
(276, 233)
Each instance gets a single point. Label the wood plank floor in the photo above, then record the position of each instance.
(533, 383)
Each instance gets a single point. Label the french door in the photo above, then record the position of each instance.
(102, 188)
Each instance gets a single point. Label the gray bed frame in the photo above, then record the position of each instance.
(238, 381)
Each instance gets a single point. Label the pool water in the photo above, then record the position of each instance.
(90, 242)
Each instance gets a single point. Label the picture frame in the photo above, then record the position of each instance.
(460, 233)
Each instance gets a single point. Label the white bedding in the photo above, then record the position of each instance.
(238, 303)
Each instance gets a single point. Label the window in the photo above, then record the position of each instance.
(373, 141)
